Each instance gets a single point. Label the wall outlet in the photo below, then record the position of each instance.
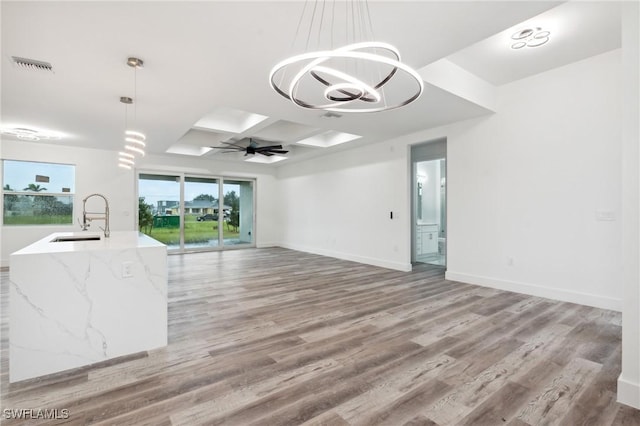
(127, 269)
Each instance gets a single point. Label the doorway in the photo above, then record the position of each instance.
(429, 203)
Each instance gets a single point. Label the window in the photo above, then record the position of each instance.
(37, 193)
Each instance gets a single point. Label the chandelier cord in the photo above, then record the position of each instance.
(372, 34)
(333, 19)
(313, 18)
(295, 37)
(324, 2)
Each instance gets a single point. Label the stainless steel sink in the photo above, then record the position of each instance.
(72, 238)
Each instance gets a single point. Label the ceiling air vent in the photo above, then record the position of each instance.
(330, 114)
(32, 64)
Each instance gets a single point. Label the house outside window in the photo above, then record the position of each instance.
(37, 193)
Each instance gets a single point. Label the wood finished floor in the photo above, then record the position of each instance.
(278, 337)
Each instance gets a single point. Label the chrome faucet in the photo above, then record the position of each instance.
(86, 218)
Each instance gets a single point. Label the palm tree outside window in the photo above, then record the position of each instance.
(26, 202)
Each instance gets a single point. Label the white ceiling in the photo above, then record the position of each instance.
(204, 58)
(578, 30)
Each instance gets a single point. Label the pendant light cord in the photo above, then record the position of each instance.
(135, 96)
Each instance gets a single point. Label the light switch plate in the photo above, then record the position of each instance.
(605, 215)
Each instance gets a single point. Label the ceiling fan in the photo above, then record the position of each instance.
(252, 148)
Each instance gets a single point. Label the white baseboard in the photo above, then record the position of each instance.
(398, 266)
(267, 244)
(628, 392)
(594, 300)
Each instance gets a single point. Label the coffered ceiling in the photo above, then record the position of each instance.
(205, 79)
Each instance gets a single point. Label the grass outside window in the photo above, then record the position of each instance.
(194, 232)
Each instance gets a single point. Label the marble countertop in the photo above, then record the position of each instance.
(116, 241)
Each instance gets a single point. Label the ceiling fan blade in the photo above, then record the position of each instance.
(234, 144)
(267, 148)
(232, 148)
(278, 151)
(267, 153)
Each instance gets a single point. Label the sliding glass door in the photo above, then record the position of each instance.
(159, 208)
(201, 218)
(238, 207)
(188, 212)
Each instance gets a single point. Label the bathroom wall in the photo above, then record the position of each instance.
(428, 173)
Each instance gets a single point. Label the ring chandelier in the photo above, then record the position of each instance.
(366, 76)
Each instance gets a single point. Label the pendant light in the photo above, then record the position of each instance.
(360, 75)
(126, 159)
(135, 140)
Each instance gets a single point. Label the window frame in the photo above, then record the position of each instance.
(71, 194)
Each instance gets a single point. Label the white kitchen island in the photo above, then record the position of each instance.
(75, 303)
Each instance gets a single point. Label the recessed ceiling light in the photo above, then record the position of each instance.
(229, 120)
(187, 149)
(265, 160)
(327, 139)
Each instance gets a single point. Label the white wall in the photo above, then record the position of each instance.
(340, 205)
(96, 171)
(629, 380)
(527, 183)
(524, 183)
